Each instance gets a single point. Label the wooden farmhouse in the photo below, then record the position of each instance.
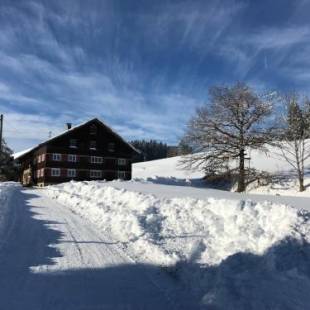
(90, 151)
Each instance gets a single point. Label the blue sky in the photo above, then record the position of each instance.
(141, 66)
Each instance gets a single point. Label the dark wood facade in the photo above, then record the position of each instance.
(91, 151)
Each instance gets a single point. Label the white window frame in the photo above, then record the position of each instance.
(95, 174)
(96, 159)
(55, 172)
(42, 172)
(72, 158)
(71, 173)
(38, 174)
(122, 161)
(121, 174)
(56, 157)
(41, 158)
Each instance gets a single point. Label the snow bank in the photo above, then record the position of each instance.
(6, 191)
(167, 231)
(233, 254)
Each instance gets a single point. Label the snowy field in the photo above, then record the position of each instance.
(164, 171)
(171, 168)
(230, 253)
(169, 171)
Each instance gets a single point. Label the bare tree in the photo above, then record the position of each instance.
(293, 136)
(223, 130)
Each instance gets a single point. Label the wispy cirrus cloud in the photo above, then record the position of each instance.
(76, 95)
(143, 68)
(276, 44)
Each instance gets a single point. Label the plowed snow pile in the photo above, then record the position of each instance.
(224, 249)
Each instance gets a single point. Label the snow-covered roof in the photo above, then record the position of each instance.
(21, 153)
(24, 152)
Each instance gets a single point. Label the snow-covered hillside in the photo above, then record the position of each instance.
(171, 167)
(233, 254)
(169, 171)
(163, 168)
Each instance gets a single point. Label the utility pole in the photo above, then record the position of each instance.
(1, 129)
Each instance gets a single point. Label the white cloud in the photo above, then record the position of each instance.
(65, 83)
(244, 50)
(199, 24)
(23, 131)
(279, 38)
(80, 96)
(12, 95)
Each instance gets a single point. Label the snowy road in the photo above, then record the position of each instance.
(53, 259)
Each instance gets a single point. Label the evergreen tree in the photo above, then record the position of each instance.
(296, 124)
(184, 147)
(8, 170)
(294, 132)
(150, 149)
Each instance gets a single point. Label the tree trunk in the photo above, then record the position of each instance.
(301, 182)
(241, 177)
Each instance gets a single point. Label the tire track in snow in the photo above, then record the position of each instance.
(115, 249)
(83, 246)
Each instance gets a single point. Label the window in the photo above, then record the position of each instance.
(72, 157)
(71, 173)
(111, 147)
(96, 160)
(55, 172)
(73, 143)
(93, 130)
(121, 162)
(121, 175)
(92, 145)
(40, 173)
(95, 174)
(41, 158)
(56, 157)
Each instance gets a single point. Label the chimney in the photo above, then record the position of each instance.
(69, 125)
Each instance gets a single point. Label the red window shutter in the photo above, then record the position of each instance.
(64, 157)
(63, 172)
